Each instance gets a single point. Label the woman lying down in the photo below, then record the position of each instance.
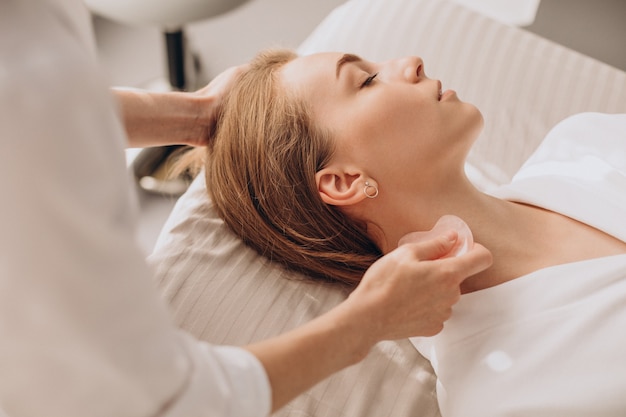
(325, 162)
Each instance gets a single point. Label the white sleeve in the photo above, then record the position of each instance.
(82, 330)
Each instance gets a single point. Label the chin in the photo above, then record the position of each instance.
(476, 122)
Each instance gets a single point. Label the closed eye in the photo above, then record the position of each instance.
(368, 80)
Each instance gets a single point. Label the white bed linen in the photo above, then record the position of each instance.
(550, 343)
(579, 171)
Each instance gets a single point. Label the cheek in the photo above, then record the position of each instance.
(381, 125)
(408, 111)
(390, 115)
(393, 128)
(413, 129)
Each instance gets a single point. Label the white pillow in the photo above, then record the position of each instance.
(223, 292)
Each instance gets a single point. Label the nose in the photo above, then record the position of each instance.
(408, 69)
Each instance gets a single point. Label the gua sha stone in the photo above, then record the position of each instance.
(464, 242)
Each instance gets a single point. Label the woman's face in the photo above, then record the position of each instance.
(387, 118)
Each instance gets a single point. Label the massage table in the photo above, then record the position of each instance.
(223, 292)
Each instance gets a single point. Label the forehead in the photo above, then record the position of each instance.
(311, 68)
(313, 79)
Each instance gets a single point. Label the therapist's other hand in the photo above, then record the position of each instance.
(410, 292)
(215, 93)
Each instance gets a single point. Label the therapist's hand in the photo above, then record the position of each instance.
(214, 95)
(410, 292)
(174, 118)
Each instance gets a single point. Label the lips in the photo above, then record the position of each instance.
(439, 93)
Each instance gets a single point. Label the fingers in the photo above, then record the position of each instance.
(213, 96)
(222, 83)
(476, 260)
(410, 292)
(432, 248)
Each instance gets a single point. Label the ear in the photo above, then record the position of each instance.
(339, 187)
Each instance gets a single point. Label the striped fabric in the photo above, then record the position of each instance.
(222, 292)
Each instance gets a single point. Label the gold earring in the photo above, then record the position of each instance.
(367, 190)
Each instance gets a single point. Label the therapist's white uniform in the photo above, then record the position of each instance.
(82, 332)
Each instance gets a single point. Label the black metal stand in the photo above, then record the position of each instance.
(175, 47)
(148, 166)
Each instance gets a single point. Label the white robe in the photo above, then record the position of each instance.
(82, 330)
(553, 342)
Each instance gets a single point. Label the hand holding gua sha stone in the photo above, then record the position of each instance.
(464, 242)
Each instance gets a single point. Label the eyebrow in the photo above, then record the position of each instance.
(346, 58)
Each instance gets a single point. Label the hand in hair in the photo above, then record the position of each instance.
(174, 118)
(216, 91)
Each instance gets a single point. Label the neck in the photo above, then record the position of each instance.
(496, 224)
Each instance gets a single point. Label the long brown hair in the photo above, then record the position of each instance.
(260, 173)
